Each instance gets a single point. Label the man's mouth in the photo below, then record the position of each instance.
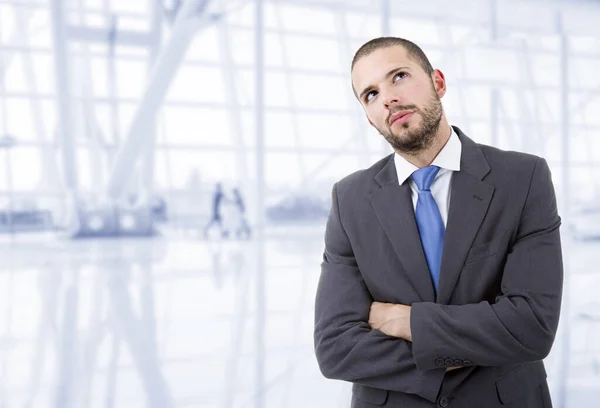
(400, 117)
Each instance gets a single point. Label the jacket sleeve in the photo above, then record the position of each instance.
(521, 324)
(345, 345)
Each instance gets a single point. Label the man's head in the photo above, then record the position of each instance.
(400, 92)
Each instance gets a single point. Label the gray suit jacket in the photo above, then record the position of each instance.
(498, 304)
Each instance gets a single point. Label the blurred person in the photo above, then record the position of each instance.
(441, 279)
(217, 214)
(242, 229)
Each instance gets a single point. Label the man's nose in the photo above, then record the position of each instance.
(390, 99)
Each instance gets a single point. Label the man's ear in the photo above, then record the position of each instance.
(439, 82)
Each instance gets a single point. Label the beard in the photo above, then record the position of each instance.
(415, 140)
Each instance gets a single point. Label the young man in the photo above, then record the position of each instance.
(441, 280)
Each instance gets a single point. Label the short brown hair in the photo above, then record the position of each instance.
(413, 50)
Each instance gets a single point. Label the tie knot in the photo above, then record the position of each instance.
(424, 177)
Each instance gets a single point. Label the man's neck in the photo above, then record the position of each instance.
(425, 157)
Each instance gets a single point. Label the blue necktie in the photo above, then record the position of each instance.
(429, 221)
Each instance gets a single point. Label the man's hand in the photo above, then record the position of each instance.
(391, 319)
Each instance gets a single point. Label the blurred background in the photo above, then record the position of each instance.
(166, 169)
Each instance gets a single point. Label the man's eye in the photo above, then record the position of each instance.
(370, 96)
(400, 74)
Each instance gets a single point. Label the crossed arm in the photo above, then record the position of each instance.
(358, 343)
(393, 320)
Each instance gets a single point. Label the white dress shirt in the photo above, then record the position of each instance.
(448, 160)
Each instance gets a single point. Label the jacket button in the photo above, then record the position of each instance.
(444, 401)
(449, 361)
(439, 362)
(467, 363)
(458, 362)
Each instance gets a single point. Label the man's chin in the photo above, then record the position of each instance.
(404, 136)
(408, 143)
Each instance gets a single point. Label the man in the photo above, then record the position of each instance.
(217, 217)
(441, 280)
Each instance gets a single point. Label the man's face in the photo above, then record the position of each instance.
(400, 99)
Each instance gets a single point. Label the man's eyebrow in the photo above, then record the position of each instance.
(389, 74)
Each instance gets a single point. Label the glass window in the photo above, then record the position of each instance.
(320, 92)
(195, 126)
(204, 46)
(299, 18)
(26, 167)
(317, 54)
(131, 78)
(7, 23)
(198, 84)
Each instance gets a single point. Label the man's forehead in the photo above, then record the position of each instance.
(373, 67)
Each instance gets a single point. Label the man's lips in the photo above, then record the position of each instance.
(401, 117)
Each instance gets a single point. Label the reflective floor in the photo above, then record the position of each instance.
(172, 322)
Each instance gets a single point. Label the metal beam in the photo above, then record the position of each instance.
(385, 17)
(63, 94)
(230, 83)
(102, 35)
(293, 107)
(147, 164)
(111, 76)
(191, 17)
(259, 236)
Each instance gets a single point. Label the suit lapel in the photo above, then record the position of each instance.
(469, 201)
(394, 209)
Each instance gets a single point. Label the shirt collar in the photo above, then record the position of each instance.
(448, 158)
